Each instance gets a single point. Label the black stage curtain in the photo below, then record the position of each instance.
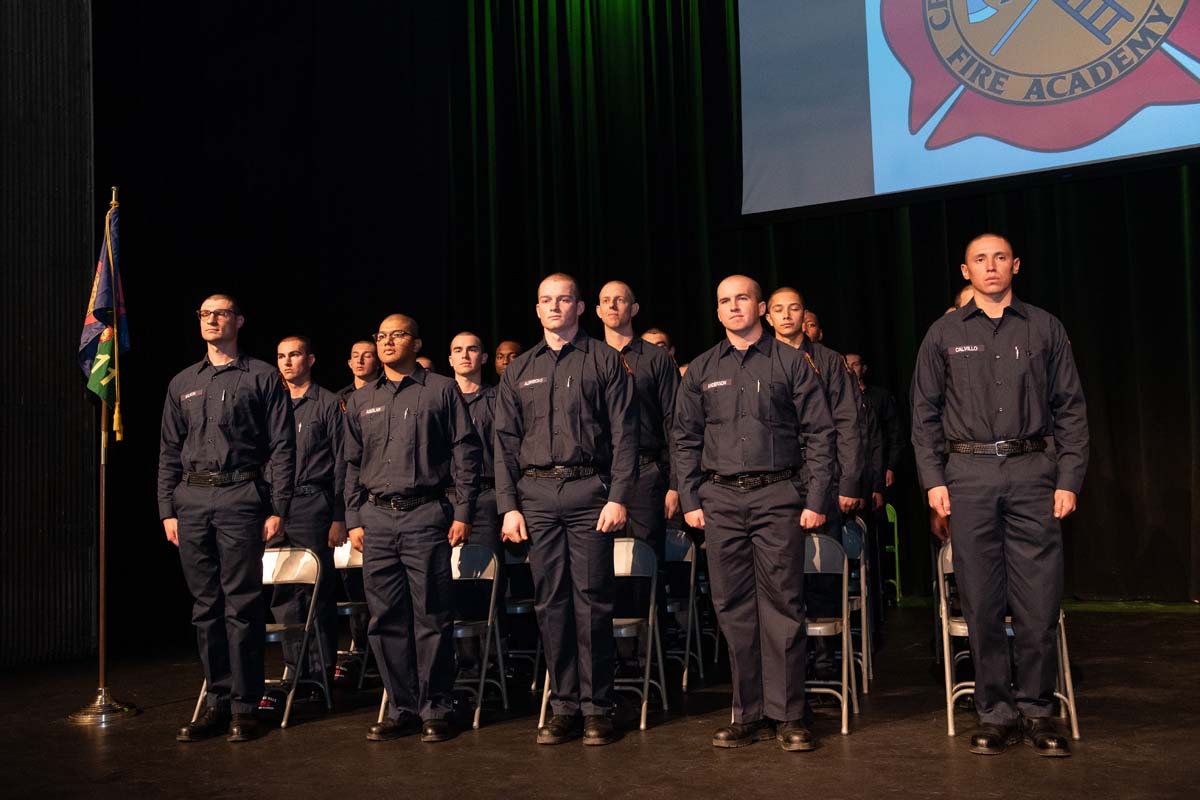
(332, 163)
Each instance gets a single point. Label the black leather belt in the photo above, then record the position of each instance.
(747, 481)
(559, 473)
(643, 460)
(401, 503)
(220, 478)
(1002, 448)
(308, 488)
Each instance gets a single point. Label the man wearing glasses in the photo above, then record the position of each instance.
(566, 467)
(227, 422)
(408, 439)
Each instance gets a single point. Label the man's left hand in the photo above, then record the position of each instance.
(671, 504)
(612, 518)
(1064, 503)
(811, 519)
(272, 527)
(337, 534)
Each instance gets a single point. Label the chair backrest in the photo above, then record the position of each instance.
(290, 565)
(346, 557)
(853, 538)
(890, 511)
(823, 554)
(946, 560)
(679, 546)
(633, 558)
(473, 562)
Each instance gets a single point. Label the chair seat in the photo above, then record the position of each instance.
(519, 606)
(467, 629)
(628, 627)
(345, 609)
(958, 626)
(277, 630)
(823, 626)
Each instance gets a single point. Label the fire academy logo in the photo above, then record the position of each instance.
(1047, 75)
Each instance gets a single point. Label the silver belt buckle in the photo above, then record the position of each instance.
(1003, 441)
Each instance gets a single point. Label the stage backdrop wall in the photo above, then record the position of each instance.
(330, 164)
(47, 426)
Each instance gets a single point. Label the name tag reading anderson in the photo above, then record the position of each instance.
(716, 384)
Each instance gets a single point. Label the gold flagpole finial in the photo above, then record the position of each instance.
(114, 197)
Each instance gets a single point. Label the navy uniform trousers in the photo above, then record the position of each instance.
(410, 594)
(307, 525)
(572, 565)
(756, 566)
(220, 549)
(1008, 558)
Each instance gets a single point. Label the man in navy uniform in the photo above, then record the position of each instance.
(749, 414)
(566, 469)
(409, 437)
(467, 358)
(226, 425)
(655, 379)
(1001, 439)
(316, 518)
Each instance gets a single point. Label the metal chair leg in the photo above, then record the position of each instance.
(200, 700)
(649, 629)
(545, 699)
(500, 661)
(662, 672)
(383, 706)
(1070, 682)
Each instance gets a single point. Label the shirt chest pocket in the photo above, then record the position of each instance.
(535, 398)
(1035, 366)
(960, 366)
(719, 399)
(192, 407)
(313, 433)
(373, 423)
(772, 401)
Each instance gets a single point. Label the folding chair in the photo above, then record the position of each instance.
(290, 565)
(823, 555)
(345, 557)
(680, 561)
(956, 625)
(475, 563)
(894, 547)
(633, 559)
(854, 542)
(518, 605)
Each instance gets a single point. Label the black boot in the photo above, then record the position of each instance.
(992, 740)
(559, 729)
(213, 721)
(742, 734)
(243, 728)
(795, 736)
(1044, 738)
(389, 729)
(598, 729)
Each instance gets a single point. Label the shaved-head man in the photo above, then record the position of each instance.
(754, 449)
(409, 438)
(467, 357)
(506, 351)
(566, 469)
(1000, 434)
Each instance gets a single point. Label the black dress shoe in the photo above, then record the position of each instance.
(243, 728)
(1044, 738)
(795, 736)
(992, 740)
(213, 721)
(437, 730)
(403, 725)
(740, 735)
(559, 729)
(598, 729)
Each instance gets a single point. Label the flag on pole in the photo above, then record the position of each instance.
(105, 332)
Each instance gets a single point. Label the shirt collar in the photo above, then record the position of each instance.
(239, 362)
(581, 341)
(764, 345)
(1018, 307)
(634, 346)
(417, 376)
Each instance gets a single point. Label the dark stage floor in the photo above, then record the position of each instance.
(1139, 717)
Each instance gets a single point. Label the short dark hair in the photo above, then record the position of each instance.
(659, 332)
(364, 341)
(303, 340)
(974, 239)
(409, 323)
(478, 338)
(237, 308)
(782, 289)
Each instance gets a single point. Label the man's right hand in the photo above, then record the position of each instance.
(171, 527)
(939, 500)
(695, 518)
(355, 535)
(513, 529)
(939, 526)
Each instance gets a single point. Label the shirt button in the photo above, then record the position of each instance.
(999, 382)
(997, 356)
(743, 389)
(1000, 411)
(388, 461)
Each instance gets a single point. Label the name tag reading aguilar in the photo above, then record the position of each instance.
(194, 393)
(532, 382)
(368, 411)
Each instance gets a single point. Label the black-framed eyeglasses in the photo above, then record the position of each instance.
(217, 313)
(392, 336)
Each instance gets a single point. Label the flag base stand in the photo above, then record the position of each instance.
(103, 710)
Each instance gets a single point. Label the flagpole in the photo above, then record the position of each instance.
(104, 709)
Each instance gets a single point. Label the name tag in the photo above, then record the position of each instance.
(194, 393)
(967, 348)
(532, 382)
(716, 384)
(374, 410)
